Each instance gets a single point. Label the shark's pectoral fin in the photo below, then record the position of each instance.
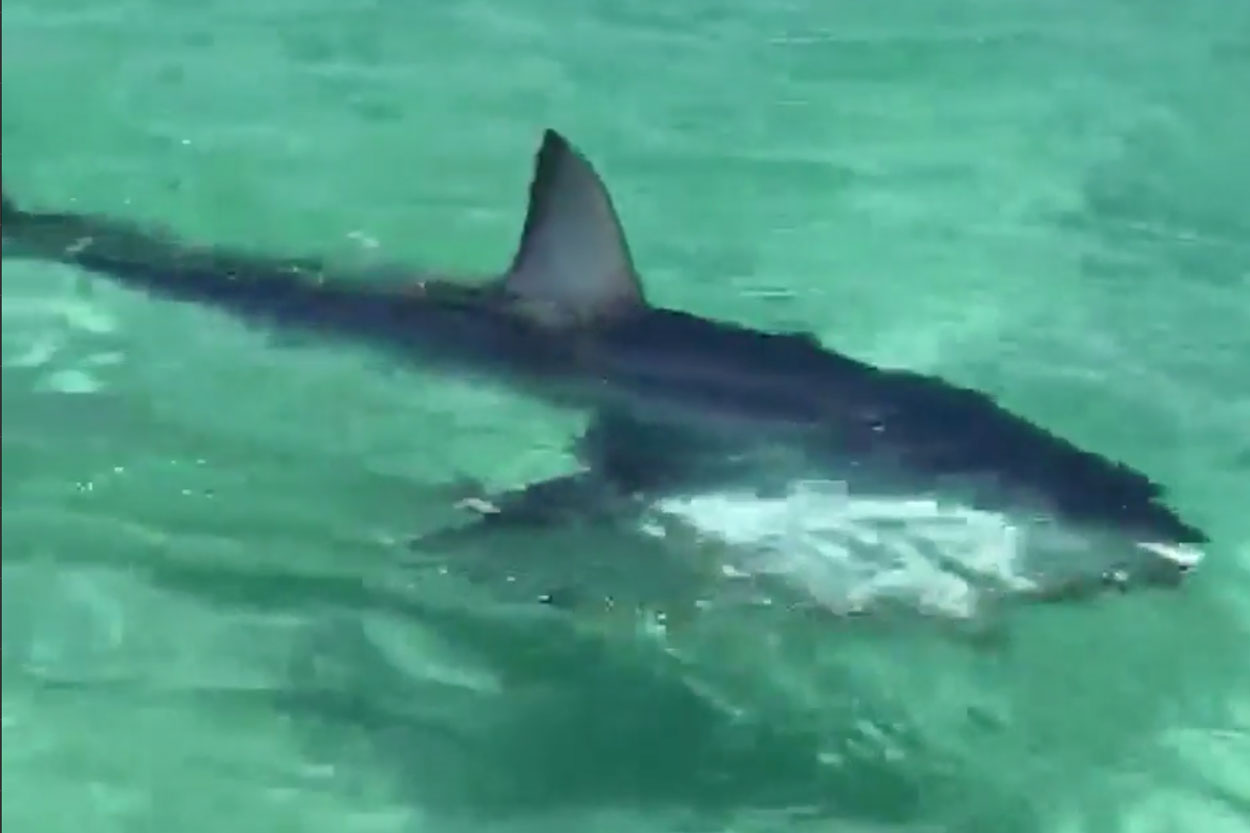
(573, 266)
(583, 497)
(623, 459)
(580, 499)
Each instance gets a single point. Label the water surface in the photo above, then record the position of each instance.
(208, 618)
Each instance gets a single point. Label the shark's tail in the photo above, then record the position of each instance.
(9, 210)
(278, 291)
(12, 222)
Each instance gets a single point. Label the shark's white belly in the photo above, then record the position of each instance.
(859, 554)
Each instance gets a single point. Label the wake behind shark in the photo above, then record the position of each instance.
(714, 426)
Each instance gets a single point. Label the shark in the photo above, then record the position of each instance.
(826, 473)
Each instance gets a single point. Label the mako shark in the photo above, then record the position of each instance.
(702, 422)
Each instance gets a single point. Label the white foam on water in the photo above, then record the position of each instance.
(35, 352)
(49, 334)
(71, 312)
(72, 381)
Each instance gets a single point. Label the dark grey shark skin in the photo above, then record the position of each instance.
(681, 403)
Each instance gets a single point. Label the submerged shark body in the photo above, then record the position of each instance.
(703, 423)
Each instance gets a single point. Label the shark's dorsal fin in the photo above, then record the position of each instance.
(573, 265)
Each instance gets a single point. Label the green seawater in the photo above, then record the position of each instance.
(210, 621)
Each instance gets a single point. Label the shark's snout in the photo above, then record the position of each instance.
(1167, 564)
